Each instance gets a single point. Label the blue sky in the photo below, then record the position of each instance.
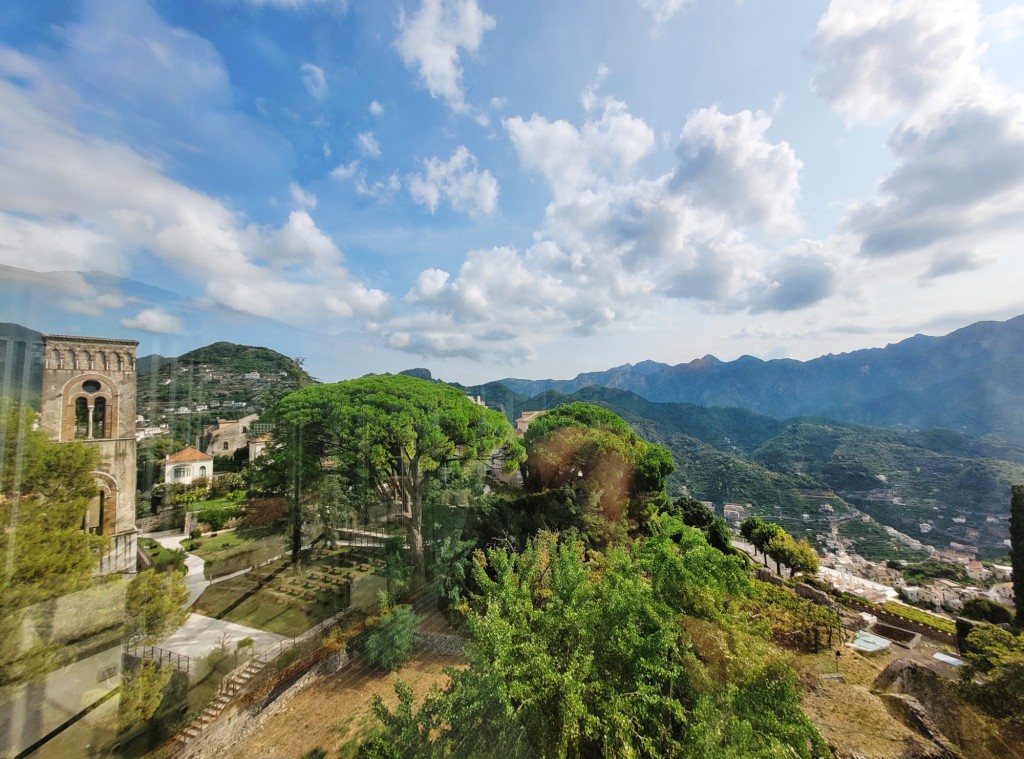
(492, 189)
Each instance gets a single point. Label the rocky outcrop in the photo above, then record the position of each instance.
(930, 704)
(912, 713)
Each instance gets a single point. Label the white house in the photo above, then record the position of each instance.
(259, 444)
(187, 465)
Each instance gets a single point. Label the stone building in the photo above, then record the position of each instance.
(88, 396)
(227, 435)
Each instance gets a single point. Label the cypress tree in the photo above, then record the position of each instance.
(1017, 549)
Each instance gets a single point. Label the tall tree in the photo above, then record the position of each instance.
(45, 489)
(392, 436)
(583, 445)
(1017, 549)
(154, 606)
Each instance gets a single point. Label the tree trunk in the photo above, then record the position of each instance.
(414, 525)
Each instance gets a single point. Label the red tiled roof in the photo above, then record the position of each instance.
(187, 454)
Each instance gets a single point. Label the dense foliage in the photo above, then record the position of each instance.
(45, 489)
(993, 671)
(382, 437)
(636, 653)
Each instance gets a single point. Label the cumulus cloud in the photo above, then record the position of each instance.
(616, 244)
(314, 80)
(457, 181)
(727, 164)
(431, 41)
(69, 199)
(881, 59)
(571, 158)
(154, 320)
(376, 108)
(958, 140)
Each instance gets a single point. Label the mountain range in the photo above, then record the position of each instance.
(970, 381)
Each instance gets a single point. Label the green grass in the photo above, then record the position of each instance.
(921, 617)
(229, 552)
(216, 503)
(263, 610)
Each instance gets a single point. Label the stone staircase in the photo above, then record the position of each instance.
(231, 685)
(236, 680)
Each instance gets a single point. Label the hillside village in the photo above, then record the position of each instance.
(236, 567)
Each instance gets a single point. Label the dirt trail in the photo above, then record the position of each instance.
(336, 708)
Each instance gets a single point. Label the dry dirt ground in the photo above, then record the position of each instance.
(848, 715)
(336, 708)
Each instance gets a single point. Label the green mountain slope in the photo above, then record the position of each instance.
(215, 376)
(813, 475)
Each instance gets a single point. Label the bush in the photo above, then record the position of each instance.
(389, 644)
(983, 610)
(169, 561)
(216, 518)
(196, 533)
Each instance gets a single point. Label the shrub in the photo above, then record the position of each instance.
(169, 561)
(246, 642)
(216, 518)
(389, 645)
(196, 533)
(983, 610)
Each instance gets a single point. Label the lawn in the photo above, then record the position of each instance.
(216, 503)
(229, 552)
(277, 599)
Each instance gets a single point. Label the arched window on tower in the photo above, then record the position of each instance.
(101, 361)
(99, 418)
(58, 359)
(81, 418)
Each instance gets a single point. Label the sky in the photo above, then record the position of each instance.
(492, 189)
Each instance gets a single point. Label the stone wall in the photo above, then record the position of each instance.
(220, 738)
(907, 624)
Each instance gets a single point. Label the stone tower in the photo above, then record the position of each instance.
(88, 395)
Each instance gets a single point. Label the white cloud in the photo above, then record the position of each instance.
(663, 10)
(345, 170)
(97, 304)
(958, 141)
(431, 41)
(368, 144)
(571, 158)
(456, 180)
(381, 189)
(376, 108)
(883, 59)
(314, 80)
(727, 164)
(300, 197)
(154, 320)
(72, 200)
(617, 246)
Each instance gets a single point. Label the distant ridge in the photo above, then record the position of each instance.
(970, 381)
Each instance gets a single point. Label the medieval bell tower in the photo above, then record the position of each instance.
(88, 395)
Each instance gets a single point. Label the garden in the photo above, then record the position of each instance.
(275, 598)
